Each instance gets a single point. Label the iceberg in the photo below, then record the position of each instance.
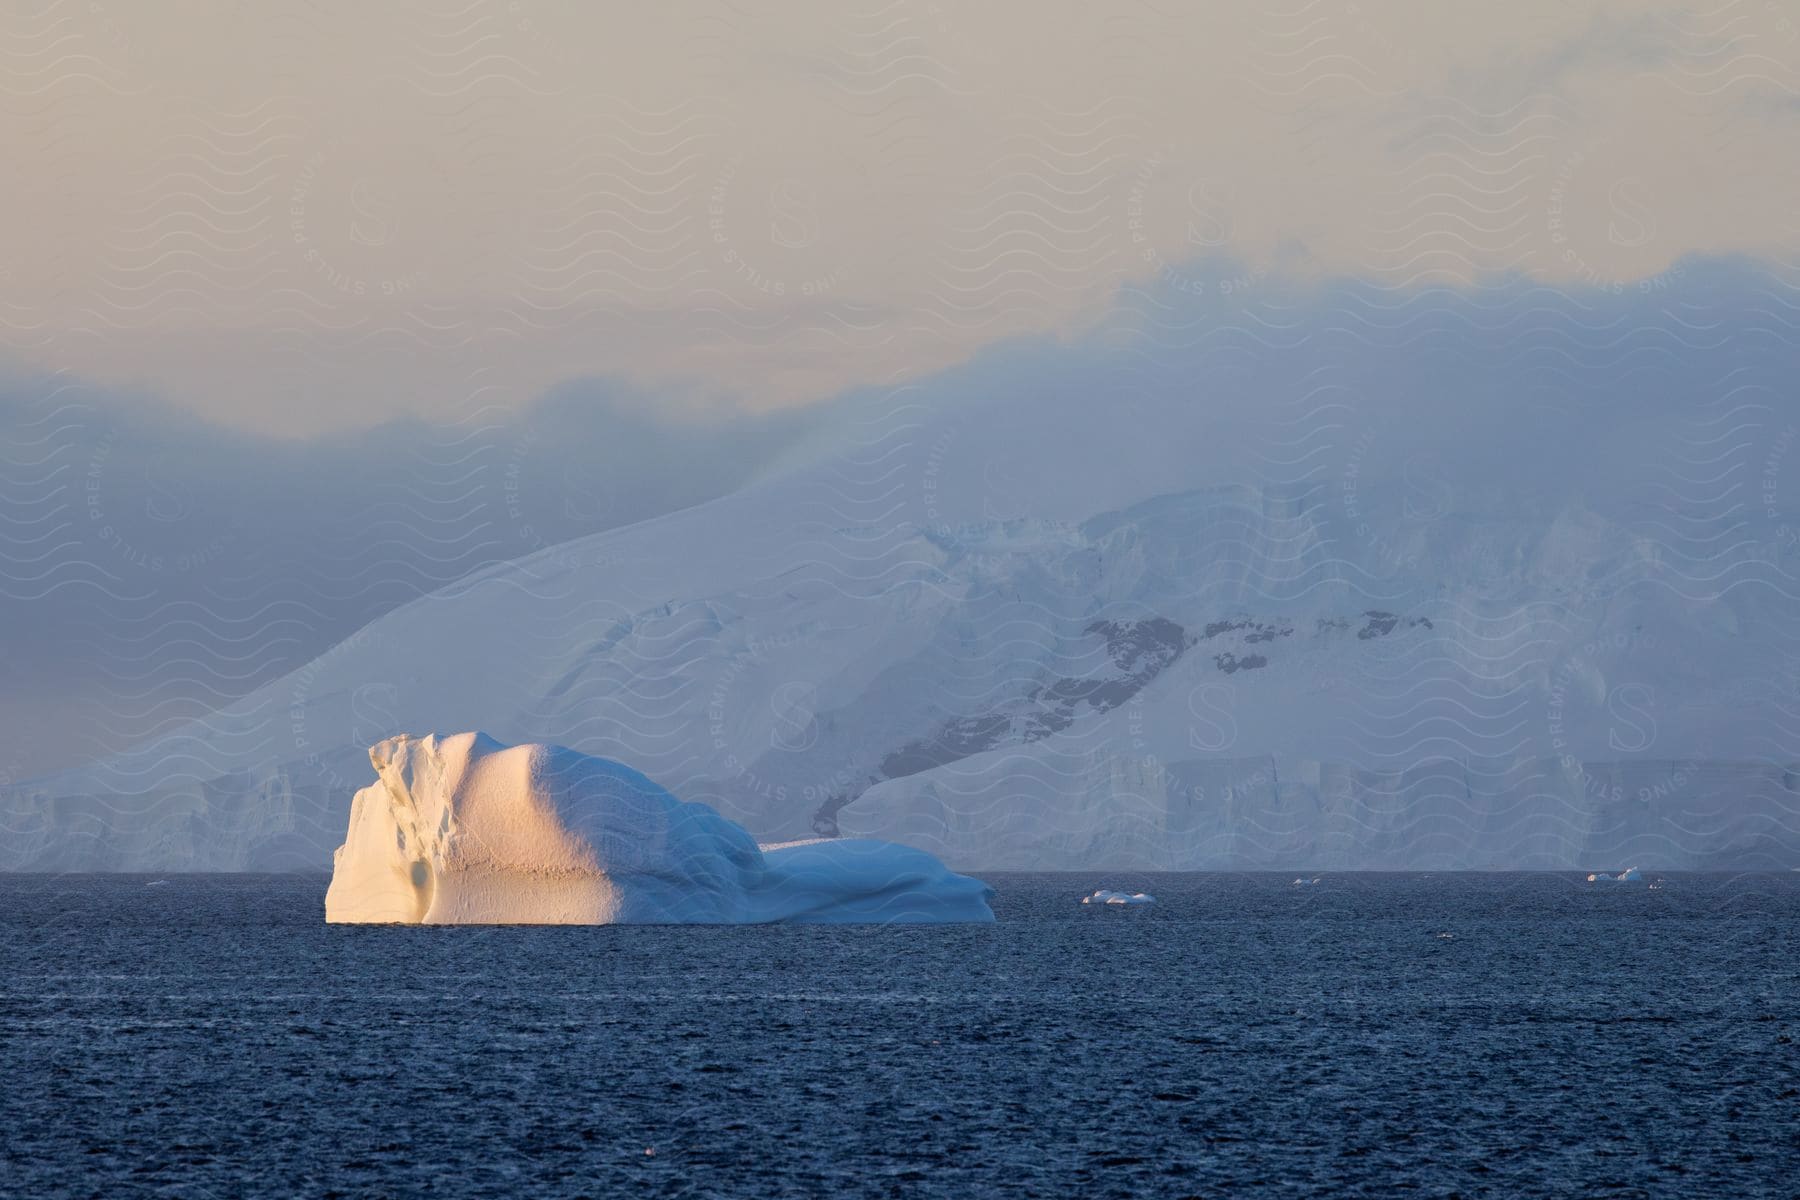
(1118, 898)
(463, 830)
(1628, 875)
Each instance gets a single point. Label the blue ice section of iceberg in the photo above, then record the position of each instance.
(861, 879)
(463, 830)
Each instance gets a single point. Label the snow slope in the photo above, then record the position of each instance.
(1381, 618)
(465, 831)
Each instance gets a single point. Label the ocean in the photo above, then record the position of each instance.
(1374, 1034)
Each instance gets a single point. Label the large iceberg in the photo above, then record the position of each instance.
(463, 830)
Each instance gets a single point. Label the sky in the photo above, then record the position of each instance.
(310, 309)
(304, 218)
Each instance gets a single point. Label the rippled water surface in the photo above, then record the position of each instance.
(1478, 1035)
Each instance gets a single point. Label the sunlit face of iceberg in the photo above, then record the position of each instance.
(464, 830)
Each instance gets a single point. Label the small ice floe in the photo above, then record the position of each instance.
(1306, 882)
(1628, 875)
(1105, 897)
(1448, 937)
(157, 883)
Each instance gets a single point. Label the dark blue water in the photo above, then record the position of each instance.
(1474, 1035)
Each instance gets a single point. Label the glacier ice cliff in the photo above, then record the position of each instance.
(463, 830)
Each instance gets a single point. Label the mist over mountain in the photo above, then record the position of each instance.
(1345, 578)
(157, 565)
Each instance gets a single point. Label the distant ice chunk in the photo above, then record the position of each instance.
(1628, 875)
(1304, 882)
(1105, 897)
(465, 831)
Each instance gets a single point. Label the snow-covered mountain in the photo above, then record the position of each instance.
(1060, 632)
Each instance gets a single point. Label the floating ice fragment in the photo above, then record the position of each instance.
(1628, 875)
(1105, 897)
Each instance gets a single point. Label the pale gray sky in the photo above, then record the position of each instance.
(302, 217)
